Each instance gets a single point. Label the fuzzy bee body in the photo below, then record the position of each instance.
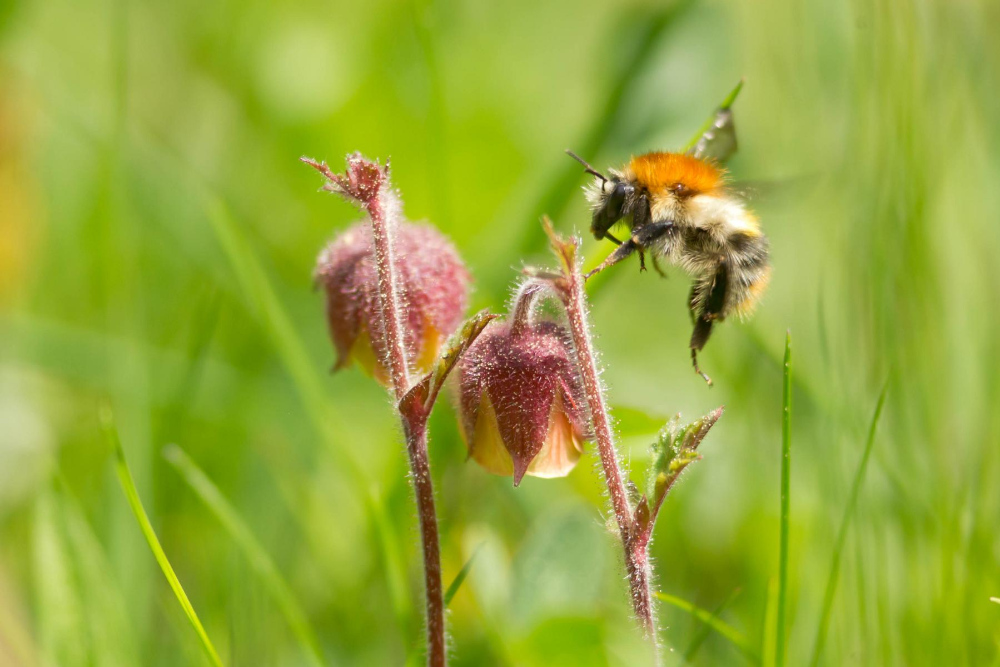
(677, 207)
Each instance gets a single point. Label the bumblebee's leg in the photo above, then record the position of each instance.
(656, 265)
(645, 235)
(612, 239)
(620, 253)
(651, 231)
(697, 368)
(640, 239)
(640, 220)
(711, 311)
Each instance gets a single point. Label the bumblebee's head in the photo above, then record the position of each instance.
(607, 197)
(607, 201)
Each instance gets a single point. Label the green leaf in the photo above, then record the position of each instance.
(427, 388)
(676, 448)
(132, 495)
(258, 558)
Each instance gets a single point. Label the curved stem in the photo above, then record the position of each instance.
(522, 313)
(636, 555)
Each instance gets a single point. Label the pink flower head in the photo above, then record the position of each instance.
(433, 284)
(521, 401)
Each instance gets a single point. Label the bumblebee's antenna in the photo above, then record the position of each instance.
(586, 167)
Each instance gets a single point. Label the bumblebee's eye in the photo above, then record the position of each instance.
(619, 194)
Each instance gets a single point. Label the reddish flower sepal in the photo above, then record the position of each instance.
(521, 401)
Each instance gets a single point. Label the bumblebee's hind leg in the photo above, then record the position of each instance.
(702, 330)
(711, 310)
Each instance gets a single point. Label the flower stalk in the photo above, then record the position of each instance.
(569, 286)
(366, 183)
(676, 449)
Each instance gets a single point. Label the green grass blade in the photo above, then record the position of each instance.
(261, 563)
(832, 578)
(699, 638)
(132, 495)
(786, 463)
(714, 622)
(460, 578)
(769, 648)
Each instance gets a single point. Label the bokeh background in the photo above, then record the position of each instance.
(157, 238)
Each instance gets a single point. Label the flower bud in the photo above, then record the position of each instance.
(433, 285)
(521, 401)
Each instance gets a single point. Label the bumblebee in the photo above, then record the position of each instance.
(677, 206)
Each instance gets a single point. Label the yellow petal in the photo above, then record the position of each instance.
(560, 452)
(562, 448)
(428, 353)
(486, 446)
(363, 354)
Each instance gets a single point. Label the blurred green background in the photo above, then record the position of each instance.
(157, 237)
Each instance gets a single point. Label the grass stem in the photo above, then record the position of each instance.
(786, 464)
(132, 495)
(852, 501)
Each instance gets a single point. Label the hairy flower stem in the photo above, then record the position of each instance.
(414, 426)
(570, 288)
(367, 183)
(416, 448)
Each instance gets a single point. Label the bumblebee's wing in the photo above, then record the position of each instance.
(761, 190)
(716, 140)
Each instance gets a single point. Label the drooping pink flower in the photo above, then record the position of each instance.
(433, 285)
(521, 401)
